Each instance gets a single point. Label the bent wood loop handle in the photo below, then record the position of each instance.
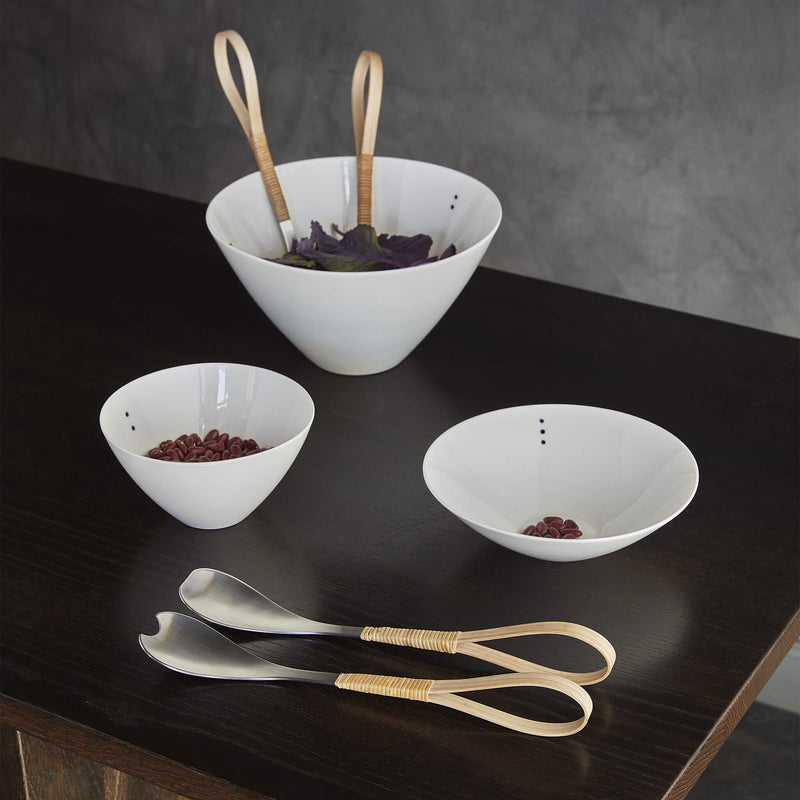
(465, 642)
(446, 693)
(365, 126)
(249, 114)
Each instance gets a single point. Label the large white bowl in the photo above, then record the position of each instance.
(240, 400)
(366, 322)
(618, 476)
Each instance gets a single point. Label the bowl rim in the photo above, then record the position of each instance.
(555, 543)
(158, 464)
(332, 274)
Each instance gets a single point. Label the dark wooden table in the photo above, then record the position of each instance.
(103, 283)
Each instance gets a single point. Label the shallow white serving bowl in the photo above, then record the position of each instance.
(367, 322)
(618, 476)
(240, 400)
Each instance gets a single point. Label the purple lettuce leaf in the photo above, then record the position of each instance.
(407, 250)
(359, 250)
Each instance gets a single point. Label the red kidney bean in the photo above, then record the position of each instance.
(554, 528)
(216, 446)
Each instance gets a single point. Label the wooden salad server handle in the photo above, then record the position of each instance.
(365, 126)
(447, 693)
(466, 642)
(249, 115)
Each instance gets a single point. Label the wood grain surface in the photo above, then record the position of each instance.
(38, 769)
(102, 283)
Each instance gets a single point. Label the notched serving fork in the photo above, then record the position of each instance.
(188, 645)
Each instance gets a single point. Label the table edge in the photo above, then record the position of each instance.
(735, 711)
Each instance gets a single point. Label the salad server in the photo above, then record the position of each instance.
(189, 646)
(226, 600)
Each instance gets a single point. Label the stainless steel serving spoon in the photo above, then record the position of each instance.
(226, 600)
(187, 645)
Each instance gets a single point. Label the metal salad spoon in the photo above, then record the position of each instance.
(226, 600)
(187, 645)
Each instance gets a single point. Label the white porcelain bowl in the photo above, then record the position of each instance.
(240, 400)
(617, 476)
(366, 322)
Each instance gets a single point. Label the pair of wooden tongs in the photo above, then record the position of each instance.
(248, 112)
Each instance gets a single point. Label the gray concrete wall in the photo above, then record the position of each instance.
(642, 148)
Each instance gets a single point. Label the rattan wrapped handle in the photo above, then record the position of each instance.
(365, 126)
(447, 693)
(249, 113)
(466, 642)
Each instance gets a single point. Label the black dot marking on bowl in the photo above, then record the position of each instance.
(133, 427)
(541, 422)
(451, 206)
(541, 431)
(127, 414)
(543, 442)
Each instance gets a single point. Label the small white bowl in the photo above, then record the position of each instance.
(618, 476)
(366, 322)
(240, 400)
